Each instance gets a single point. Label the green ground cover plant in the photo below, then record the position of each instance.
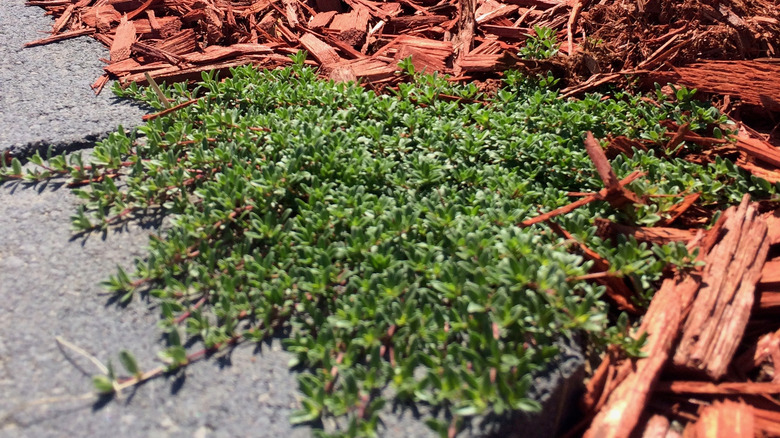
(542, 45)
(379, 234)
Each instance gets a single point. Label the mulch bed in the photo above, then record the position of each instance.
(714, 333)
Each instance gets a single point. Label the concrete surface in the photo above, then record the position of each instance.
(49, 287)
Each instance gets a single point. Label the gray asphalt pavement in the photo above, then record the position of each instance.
(45, 97)
(49, 285)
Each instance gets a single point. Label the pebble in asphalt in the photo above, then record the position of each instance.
(49, 282)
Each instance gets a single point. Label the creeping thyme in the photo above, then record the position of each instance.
(382, 230)
(542, 45)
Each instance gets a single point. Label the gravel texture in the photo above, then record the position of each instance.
(45, 98)
(49, 288)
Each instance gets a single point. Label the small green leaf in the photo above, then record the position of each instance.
(527, 405)
(304, 416)
(103, 385)
(128, 361)
(110, 367)
(37, 159)
(174, 339)
(466, 411)
(475, 307)
(175, 357)
(16, 166)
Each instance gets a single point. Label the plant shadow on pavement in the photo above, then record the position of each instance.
(149, 220)
(38, 186)
(379, 237)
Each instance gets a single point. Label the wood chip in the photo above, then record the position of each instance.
(323, 52)
(754, 82)
(658, 235)
(678, 209)
(723, 419)
(770, 273)
(576, 204)
(59, 37)
(617, 195)
(322, 19)
(718, 316)
(617, 291)
(352, 27)
(758, 149)
(63, 20)
(621, 413)
(656, 427)
(709, 388)
(218, 53)
(123, 40)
